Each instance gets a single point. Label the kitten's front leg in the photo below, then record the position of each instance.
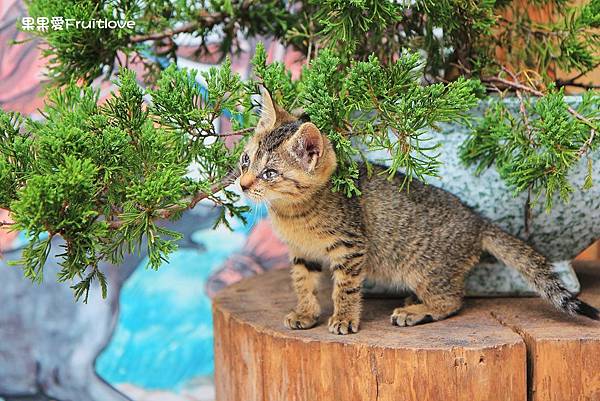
(305, 280)
(348, 275)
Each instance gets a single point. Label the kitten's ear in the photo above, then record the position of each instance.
(307, 146)
(268, 115)
(271, 113)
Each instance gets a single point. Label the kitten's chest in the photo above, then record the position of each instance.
(308, 238)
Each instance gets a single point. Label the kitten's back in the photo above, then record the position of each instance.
(415, 221)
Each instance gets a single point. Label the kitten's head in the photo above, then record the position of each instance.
(286, 160)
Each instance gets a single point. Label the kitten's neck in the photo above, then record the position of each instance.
(292, 206)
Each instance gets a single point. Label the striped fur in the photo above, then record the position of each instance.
(424, 239)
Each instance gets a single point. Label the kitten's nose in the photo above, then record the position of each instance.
(246, 181)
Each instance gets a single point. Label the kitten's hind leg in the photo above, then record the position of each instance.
(412, 299)
(305, 280)
(441, 297)
(421, 313)
(440, 287)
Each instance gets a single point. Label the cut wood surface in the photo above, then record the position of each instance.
(493, 350)
(564, 353)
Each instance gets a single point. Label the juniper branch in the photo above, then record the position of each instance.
(522, 108)
(535, 152)
(185, 28)
(560, 83)
(197, 198)
(587, 144)
(571, 81)
(536, 92)
(204, 20)
(239, 132)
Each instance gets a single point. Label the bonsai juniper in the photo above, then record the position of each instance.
(378, 75)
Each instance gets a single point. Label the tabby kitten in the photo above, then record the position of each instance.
(424, 239)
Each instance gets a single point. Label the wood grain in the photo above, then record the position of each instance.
(564, 353)
(470, 357)
(495, 349)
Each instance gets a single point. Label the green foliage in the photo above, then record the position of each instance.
(569, 42)
(87, 53)
(447, 32)
(377, 106)
(16, 156)
(536, 155)
(275, 77)
(101, 177)
(379, 75)
(82, 53)
(356, 24)
(323, 100)
(464, 24)
(390, 100)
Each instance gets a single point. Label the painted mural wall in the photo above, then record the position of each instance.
(151, 339)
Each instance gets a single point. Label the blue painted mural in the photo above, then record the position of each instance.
(164, 333)
(152, 337)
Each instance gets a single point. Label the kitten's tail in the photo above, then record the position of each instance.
(535, 268)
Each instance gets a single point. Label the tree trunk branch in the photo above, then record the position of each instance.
(206, 20)
(199, 196)
(186, 28)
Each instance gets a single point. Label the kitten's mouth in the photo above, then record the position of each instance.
(255, 198)
(253, 195)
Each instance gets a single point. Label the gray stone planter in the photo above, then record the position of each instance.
(560, 235)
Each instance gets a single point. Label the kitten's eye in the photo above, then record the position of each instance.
(269, 174)
(245, 161)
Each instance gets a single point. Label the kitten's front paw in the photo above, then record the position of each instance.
(342, 326)
(296, 321)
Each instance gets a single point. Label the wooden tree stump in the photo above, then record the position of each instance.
(484, 353)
